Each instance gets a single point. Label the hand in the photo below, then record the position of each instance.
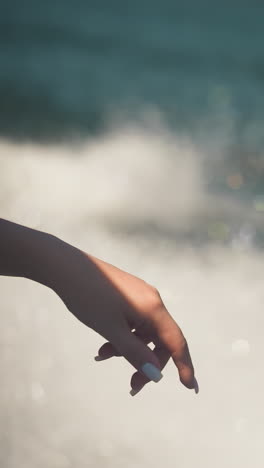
(128, 313)
(124, 309)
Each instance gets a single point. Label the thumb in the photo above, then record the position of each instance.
(138, 354)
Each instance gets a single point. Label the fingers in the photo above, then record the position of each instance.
(136, 352)
(108, 350)
(138, 381)
(170, 342)
(172, 339)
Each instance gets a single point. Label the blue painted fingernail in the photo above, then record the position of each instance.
(151, 372)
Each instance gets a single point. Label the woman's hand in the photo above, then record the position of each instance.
(127, 312)
(124, 309)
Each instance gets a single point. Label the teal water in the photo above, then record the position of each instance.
(69, 68)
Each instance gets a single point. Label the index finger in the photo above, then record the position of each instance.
(172, 338)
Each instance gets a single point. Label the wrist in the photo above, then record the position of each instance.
(42, 263)
(38, 252)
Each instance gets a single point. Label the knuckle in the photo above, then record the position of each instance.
(181, 351)
(183, 344)
(154, 298)
(154, 305)
(185, 354)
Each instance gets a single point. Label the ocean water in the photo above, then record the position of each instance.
(135, 132)
(71, 67)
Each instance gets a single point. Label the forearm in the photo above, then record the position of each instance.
(26, 252)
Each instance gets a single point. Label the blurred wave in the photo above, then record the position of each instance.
(131, 181)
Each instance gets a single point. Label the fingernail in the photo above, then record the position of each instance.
(196, 386)
(133, 392)
(99, 358)
(151, 372)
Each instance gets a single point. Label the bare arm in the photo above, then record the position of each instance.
(125, 310)
(24, 252)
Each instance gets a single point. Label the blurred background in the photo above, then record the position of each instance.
(135, 131)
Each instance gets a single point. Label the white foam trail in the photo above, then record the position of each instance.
(127, 178)
(108, 177)
(60, 409)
